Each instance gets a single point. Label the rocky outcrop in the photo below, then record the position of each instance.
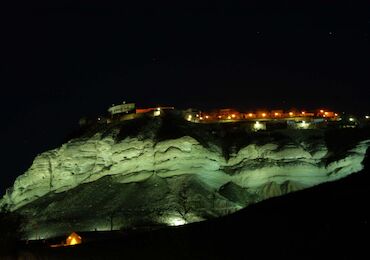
(174, 171)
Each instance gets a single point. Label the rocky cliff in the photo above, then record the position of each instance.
(169, 171)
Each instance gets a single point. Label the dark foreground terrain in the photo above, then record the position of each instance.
(330, 220)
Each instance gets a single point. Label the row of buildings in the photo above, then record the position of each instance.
(258, 120)
(230, 114)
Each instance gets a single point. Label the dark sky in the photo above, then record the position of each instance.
(59, 64)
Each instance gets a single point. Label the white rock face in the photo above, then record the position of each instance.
(132, 160)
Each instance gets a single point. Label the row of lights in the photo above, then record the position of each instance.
(257, 124)
(264, 115)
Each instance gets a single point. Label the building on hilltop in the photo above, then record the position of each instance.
(124, 108)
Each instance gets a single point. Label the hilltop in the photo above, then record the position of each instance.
(169, 171)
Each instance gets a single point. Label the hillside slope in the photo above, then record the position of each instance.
(169, 171)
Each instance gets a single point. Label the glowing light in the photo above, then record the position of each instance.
(233, 115)
(336, 114)
(326, 113)
(321, 111)
(303, 113)
(190, 117)
(367, 117)
(157, 113)
(197, 115)
(219, 116)
(176, 221)
(276, 114)
(351, 119)
(258, 126)
(263, 114)
(73, 241)
(250, 114)
(304, 125)
(201, 118)
(207, 117)
(291, 113)
(229, 117)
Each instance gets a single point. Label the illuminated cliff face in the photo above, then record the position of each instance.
(172, 181)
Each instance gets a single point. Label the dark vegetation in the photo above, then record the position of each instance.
(10, 232)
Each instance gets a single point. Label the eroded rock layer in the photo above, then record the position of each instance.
(171, 172)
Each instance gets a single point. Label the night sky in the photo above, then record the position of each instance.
(60, 64)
